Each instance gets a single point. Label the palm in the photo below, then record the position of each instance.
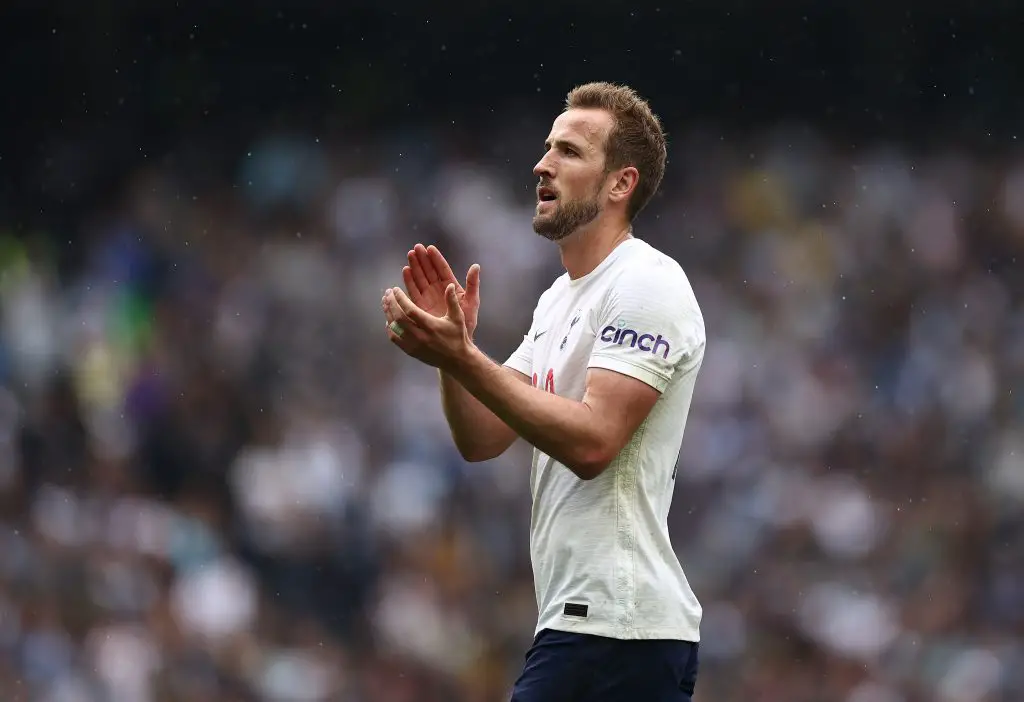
(431, 299)
(428, 276)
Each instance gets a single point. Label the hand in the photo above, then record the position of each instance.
(442, 342)
(427, 278)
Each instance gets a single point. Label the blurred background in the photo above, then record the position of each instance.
(219, 482)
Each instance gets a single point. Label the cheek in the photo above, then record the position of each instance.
(583, 186)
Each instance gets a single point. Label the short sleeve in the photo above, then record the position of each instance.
(522, 358)
(649, 327)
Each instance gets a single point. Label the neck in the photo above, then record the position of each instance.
(583, 250)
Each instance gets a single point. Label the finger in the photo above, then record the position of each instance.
(430, 272)
(403, 342)
(419, 276)
(454, 309)
(473, 282)
(444, 271)
(414, 291)
(394, 338)
(409, 308)
(395, 313)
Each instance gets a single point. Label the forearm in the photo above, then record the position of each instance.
(564, 429)
(478, 433)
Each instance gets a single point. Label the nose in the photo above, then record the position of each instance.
(543, 168)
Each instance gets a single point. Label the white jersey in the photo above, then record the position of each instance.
(603, 563)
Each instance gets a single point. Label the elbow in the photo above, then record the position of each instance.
(472, 454)
(591, 464)
(588, 471)
(476, 453)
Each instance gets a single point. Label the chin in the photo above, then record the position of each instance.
(557, 223)
(548, 232)
(542, 226)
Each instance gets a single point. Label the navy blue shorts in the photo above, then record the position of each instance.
(565, 667)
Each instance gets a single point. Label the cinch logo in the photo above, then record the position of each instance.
(633, 339)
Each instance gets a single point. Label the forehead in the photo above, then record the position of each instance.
(587, 127)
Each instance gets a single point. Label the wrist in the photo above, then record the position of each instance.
(468, 363)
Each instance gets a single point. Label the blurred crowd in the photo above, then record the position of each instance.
(220, 483)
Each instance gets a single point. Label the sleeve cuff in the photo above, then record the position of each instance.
(654, 379)
(520, 364)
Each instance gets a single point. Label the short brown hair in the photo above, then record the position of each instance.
(636, 138)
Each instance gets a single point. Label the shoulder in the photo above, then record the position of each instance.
(647, 273)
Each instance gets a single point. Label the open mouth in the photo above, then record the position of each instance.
(546, 194)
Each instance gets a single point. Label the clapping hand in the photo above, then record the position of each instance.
(435, 319)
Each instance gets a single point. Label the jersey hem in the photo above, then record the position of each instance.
(625, 634)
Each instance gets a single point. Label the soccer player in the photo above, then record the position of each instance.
(600, 387)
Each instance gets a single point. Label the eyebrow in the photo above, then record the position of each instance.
(561, 143)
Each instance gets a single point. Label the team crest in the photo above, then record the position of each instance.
(565, 339)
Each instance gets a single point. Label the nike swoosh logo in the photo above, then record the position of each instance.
(539, 334)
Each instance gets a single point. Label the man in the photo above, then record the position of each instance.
(601, 387)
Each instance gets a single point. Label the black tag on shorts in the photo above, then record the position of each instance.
(575, 610)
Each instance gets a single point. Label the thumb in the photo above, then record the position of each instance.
(473, 282)
(452, 298)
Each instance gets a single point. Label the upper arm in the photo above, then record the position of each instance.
(620, 404)
(648, 330)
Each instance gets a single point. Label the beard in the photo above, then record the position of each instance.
(568, 217)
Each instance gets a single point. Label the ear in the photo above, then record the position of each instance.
(624, 183)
